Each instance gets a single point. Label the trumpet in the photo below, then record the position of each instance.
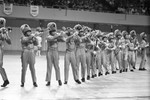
(4, 33)
(4, 30)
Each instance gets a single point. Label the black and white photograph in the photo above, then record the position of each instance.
(74, 50)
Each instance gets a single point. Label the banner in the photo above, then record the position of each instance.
(8, 8)
(34, 10)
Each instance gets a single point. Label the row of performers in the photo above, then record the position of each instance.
(93, 49)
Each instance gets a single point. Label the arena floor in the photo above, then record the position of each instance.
(125, 86)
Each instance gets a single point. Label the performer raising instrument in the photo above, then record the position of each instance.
(118, 50)
(52, 55)
(38, 35)
(80, 50)
(110, 52)
(143, 46)
(70, 55)
(28, 41)
(4, 37)
(136, 45)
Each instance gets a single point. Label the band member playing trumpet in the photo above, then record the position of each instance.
(4, 37)
(143, 46)
(80, 50)
(88, 50)
(104, 46)
(118, 50)
(70, 56)
(110, 52)
(99, 40)
(38, 35)
(125, 50)
(52, 53)
(94, 53)
(133, 38)
(132, 49)
(28, 42)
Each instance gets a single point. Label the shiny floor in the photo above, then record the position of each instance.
(126, 86)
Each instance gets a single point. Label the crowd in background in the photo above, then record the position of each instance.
(140, 7)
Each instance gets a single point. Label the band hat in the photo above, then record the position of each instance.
(25, 28)
(2, 22)
(51, 25)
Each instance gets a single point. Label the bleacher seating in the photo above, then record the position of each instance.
(140, 7)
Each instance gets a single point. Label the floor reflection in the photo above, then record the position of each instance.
(126, 86)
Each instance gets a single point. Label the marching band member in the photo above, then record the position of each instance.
(80, 50)
(136, 44)
(110, 52)
(94, 54)
(104, 45)
(70, 56)
(132, 49)
(38, 35)
(99, 54)
(88, 50)
(52, 53)
(125, 48)
(118, 51)
(144, 44)
(4, 37)
(28, 42)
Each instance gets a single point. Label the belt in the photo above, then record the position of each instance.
(26, 48)
(70, 50)
(52, 48)
(130, 50)
(80, 47)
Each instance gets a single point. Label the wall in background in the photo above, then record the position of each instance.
(69, 18)
(80, 16)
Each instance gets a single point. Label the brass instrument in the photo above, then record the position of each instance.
(4, 33)
(4, 30)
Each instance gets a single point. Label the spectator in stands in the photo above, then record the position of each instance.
(115, 6)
